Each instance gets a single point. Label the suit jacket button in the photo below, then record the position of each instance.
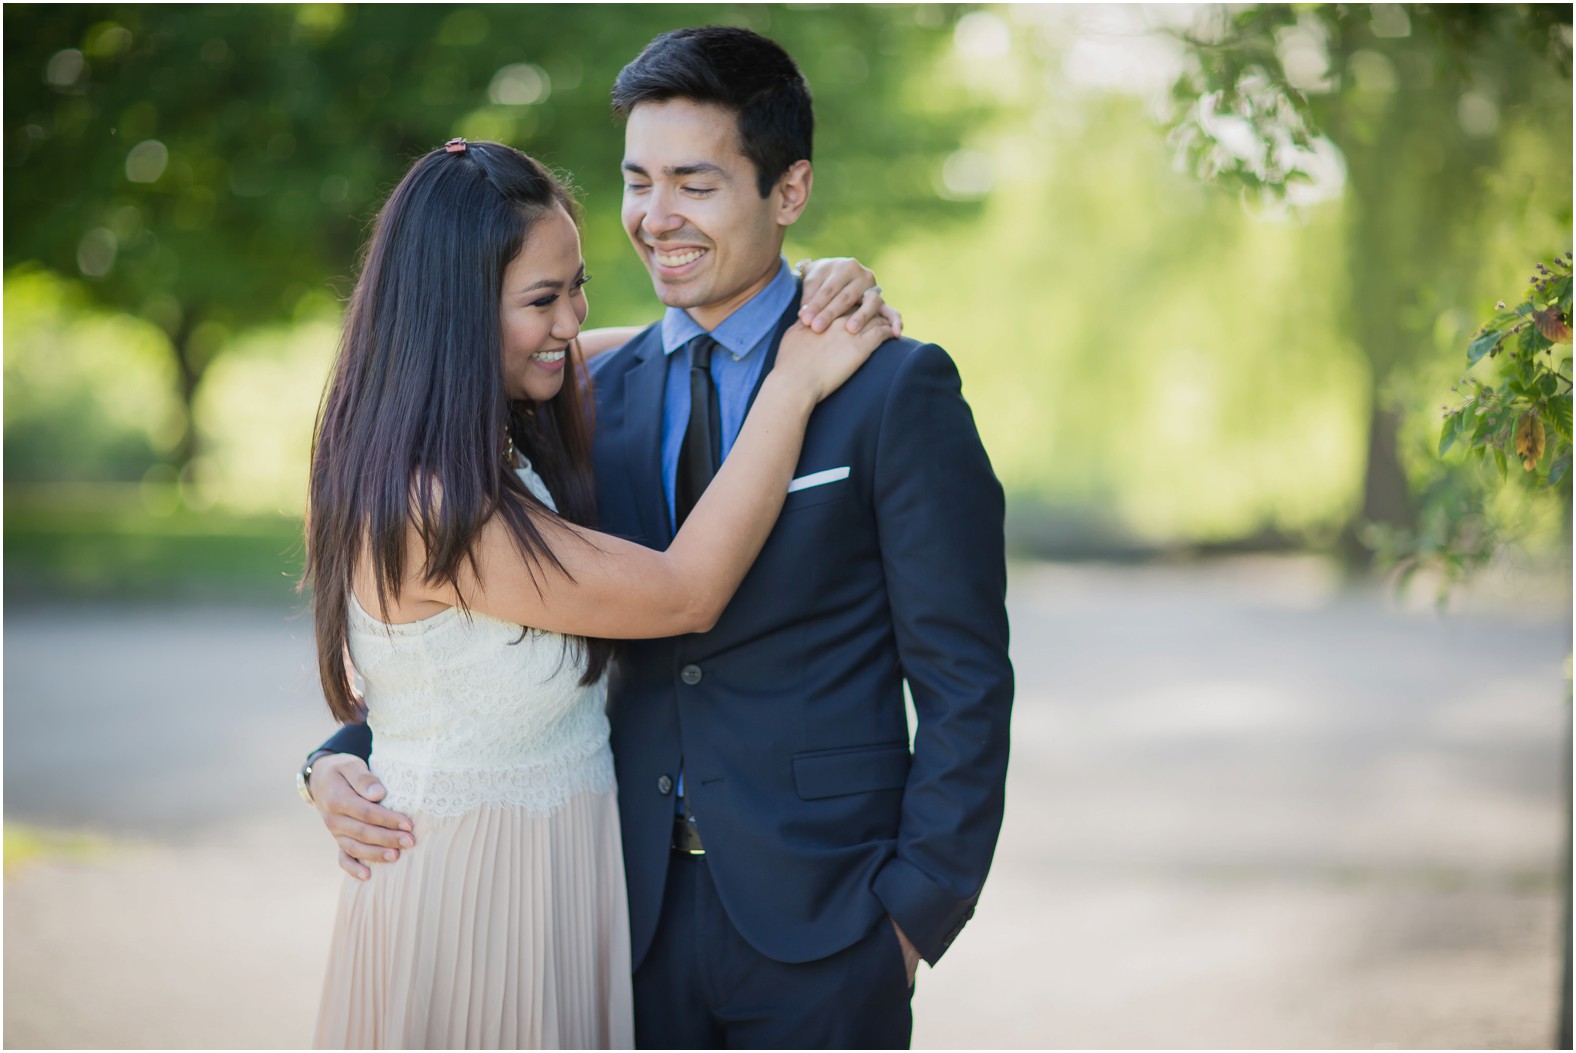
(664, 785)
(690, 674)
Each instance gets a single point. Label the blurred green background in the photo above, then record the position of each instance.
(1182, 328)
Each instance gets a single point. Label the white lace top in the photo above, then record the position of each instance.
(465, 713)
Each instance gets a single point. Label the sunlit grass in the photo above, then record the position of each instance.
(105, 541)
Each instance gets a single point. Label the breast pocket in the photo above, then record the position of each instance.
(818, 488)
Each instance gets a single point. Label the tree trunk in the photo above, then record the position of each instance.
(190, 371)
(1387, 499)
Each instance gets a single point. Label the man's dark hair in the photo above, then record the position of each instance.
(737, 69)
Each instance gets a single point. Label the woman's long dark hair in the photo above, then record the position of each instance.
(412, 426)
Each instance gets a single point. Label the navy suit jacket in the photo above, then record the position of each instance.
(788, 717)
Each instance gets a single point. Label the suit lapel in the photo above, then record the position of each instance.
(788, 318)
(643, 393)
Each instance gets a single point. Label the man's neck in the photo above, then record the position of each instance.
(710, 315)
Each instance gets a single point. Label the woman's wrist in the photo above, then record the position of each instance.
(796, 395)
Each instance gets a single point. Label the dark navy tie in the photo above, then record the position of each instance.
(701, 451)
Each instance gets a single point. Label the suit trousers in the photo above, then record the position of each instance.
(701, 986)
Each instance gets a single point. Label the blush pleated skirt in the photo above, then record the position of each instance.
(499, 930)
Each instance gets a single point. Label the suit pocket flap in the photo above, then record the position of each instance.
(818, 494)
(832, 773)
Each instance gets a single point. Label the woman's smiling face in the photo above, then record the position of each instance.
(541, 308)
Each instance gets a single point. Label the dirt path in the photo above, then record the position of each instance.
(1246, 808)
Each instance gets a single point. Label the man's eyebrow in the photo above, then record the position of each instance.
(681, 171)
(698, 168)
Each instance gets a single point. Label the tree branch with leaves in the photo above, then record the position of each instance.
(1527, 412)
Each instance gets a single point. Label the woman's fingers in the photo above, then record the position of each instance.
(843, 301)
(832, 287)
(821, 281)
(871, 307)
(839, 287)
(894, 318)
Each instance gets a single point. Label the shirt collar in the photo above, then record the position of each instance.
(744, 329)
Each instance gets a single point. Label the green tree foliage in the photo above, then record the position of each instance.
(1519, 416)
(214, 168)
(1423, 104)
(1526, 416)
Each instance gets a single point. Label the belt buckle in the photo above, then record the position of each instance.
(686, 837)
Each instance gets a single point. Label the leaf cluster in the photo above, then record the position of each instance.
(1525, 413)
(1455, 534)
(1262, 83)
(1236, 80)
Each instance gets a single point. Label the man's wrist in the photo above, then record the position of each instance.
(304, 775)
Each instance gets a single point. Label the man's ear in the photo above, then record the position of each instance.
(793, 192)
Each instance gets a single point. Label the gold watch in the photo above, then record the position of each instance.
(304, 777)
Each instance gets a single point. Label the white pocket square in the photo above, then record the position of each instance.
(831, 475)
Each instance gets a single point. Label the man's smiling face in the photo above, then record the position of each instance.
(693, 208)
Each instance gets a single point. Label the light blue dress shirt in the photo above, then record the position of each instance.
(744, 337)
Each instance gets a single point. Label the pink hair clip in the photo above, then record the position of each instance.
(455, 146)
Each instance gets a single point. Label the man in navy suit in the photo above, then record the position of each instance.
(791, 849)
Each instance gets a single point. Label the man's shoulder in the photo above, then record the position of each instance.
(903, 357)
(901, 349)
